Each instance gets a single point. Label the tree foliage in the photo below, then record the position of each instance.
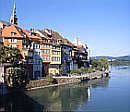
(9, 54)
(97, 64)
(49, 78)
(15, 77)
(76, 71)
(100, 64)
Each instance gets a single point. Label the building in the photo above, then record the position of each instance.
(43, 51)
(80, 54)
(33, 53)
(51, 51)
(67, 55)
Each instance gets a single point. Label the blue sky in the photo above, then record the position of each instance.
(103, 24)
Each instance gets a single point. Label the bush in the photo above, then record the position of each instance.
(82, 69)
(49, 78)
(15, 77)
(90, 70)
(75, 71)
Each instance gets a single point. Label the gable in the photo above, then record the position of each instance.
(12, 31)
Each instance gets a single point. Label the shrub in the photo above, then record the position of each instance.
(15, 77)
(75, 71)
(82, 69)
(49, 78)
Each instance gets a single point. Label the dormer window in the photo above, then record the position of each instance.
(13, 33)
(33, 34)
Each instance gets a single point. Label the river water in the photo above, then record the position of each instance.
(103, 95)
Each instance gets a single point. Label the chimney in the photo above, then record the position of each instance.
(32, 30)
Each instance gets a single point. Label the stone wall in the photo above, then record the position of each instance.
(36, 83)
(67, 80)
(57, 81)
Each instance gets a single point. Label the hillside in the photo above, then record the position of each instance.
(117, 58)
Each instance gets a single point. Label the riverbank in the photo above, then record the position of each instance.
(58, 81)
(63, 80)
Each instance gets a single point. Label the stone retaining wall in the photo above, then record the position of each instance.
(43, 82)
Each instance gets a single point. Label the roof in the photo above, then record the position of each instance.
(56, 36)
(20, 30)
(65, 41)
(6, 31)
(42, 34)
(32, 35)
(5, 23)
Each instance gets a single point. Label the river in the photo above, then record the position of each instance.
(103, 95)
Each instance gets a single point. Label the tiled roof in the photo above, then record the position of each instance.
(67, 42)
(57, 36)
(44, 34)
(36, 36)
(20, 30)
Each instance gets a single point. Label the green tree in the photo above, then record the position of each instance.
(15, 77)
(99, 64)
(3, 54)
(9, 54)
(14, 55)
(104, 63)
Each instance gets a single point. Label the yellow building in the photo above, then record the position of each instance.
(55, 60)
(51, 51)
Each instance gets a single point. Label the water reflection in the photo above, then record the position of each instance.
(18, 102)
(67, 97)
(62, 98)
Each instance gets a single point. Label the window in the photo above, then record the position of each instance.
(54, 47)
(46, 51)
(39, 61)
(54, 52)
(12, 40)
(12, 46)
(58, 58)
(58, 47)
(37, 68)
(39, 46)
(46, 57)
(13, 33)
(52, 59)
(55, 59)
(47, 45)
(36, 46)
(33, 46)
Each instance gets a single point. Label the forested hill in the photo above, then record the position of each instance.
(117, 58)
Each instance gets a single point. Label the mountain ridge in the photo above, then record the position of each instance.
(127, 57)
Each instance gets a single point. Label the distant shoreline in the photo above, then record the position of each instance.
(120, 62)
